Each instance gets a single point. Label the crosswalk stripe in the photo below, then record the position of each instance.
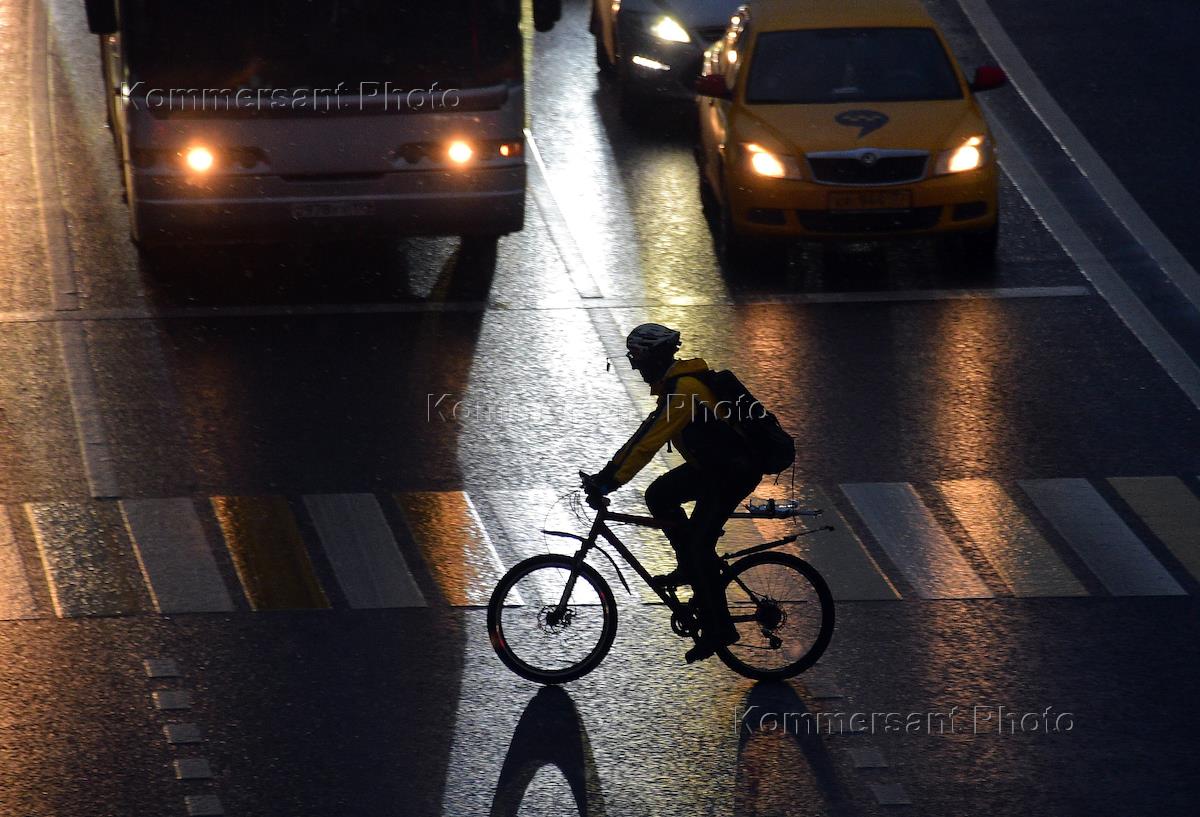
(1022, 557)
(369, 566)
(174, 556)
(84, 560)
(1108, 547)
(913, 539)
(268, 553)
(838, 555)
(455, 544)
(1170, 510)
(16, 599)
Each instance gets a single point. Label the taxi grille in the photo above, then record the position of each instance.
(852, 170)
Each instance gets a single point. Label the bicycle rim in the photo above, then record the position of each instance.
(536, 638)
(783, 612)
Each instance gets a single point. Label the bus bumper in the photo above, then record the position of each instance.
(175, 210)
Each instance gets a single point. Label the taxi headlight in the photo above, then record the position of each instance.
(765, 163)
(970, 155)
(666, 28)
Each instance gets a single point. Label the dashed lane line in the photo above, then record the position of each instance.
(16, 599)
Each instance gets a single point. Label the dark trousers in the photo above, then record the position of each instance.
(716, 494)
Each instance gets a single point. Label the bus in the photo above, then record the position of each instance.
(248, 120)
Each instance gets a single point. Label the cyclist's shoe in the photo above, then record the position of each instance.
(707, 645)
(675, 578)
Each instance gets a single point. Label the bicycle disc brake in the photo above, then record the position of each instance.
(554, 624)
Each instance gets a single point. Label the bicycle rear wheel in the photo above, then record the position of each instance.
(783, 612)
(529, 634)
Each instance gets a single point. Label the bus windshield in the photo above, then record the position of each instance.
(318, 44)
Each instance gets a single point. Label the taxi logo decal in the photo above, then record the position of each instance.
(865, 120)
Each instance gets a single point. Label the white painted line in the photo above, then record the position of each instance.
(868, 759)
(328, 310)
(182, 733)
(838, 554)
(85, 406)
(16, 599)
(192, 768)
(364, 554)
(1170, 510)
(174, 556)
(161, 668)
(1091, 262)
(454, 543)
(890, 794)
(1076, 145)
(171, 699)
(906, 529)
(1011, 543)
(43, 140)
(561, 232)
(203, 805)
(85, 559)
(1104, 542)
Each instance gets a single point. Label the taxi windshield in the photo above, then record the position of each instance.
(822, 66)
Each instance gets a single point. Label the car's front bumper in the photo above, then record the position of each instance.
(784, 208)
(485, 201)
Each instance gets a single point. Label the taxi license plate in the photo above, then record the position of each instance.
(332, 209)
(870, 200)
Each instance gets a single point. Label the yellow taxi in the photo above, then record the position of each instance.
(844, 120)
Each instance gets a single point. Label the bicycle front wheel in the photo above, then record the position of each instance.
(538, 637)
(783, 612)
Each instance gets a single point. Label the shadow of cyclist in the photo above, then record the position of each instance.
(778, 739)
(550, 732)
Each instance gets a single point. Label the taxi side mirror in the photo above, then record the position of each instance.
(712, 85)
(988, 77)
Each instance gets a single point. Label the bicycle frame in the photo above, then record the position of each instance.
(600, 529)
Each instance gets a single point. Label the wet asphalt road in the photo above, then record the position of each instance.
(290, 373)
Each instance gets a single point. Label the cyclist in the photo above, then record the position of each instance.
(718, 473)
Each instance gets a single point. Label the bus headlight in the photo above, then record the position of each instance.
(459, 152)
(199, 159)
(969, 155)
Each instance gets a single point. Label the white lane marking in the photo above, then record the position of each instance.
(1104, 542)
(181, 733)
(326, 310)
(890, 794)
(16, 599)
(167, 700)
(42, 140)
(1022, 557)
(160, 668)
(838, 554)
(174, 556)
(85, 406)
(369, 566)
(203, 805)
(1077, 147)
(1170, 510)
(1095, 267)
(561, 232)
(913, 539)
(868, 759)
(192, 768)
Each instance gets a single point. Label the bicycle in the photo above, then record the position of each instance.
(552, 618)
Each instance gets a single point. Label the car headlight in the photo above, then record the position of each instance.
(667, 28)
(970, 155)
(765, 163)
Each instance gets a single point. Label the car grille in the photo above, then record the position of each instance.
(852, 170)
(710, 34)
(882, 221)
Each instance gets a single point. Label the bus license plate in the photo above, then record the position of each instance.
(332, 209)
(870, 200)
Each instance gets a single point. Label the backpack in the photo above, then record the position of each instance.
(771, 448)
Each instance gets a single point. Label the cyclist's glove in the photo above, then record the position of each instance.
(601, 483)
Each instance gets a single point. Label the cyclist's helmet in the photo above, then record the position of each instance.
(651, 340)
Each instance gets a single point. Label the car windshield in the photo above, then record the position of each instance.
(285, 44)
(834, 65)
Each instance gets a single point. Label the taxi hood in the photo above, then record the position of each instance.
(926, 125)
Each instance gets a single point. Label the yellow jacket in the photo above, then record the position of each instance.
(685, 402)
